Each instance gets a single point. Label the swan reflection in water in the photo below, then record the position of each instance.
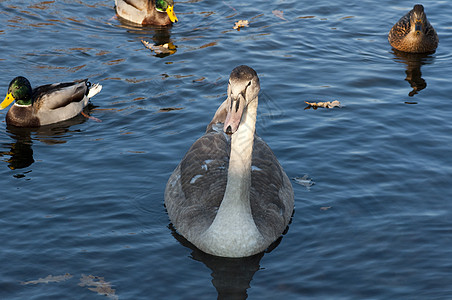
(231, 277)
(20, 153)
(413, 62)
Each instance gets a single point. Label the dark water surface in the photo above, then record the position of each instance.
(84, 199)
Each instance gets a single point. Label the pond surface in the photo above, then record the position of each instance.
(82, 212)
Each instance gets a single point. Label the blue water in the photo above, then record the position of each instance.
(86, 198)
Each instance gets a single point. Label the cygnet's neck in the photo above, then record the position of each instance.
(239, 171)
(237, 194)
(233, 232)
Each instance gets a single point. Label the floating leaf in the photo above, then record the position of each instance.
(241, 23)
(49, 278)
(279, 14)
(329, 104)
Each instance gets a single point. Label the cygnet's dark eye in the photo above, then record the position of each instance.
(244, 91)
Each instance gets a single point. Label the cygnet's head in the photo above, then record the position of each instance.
(243, 88)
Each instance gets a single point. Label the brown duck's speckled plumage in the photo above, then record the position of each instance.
(404, 36)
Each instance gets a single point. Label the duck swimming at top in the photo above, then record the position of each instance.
(413, 33)
(46, 104)
(147, 12)
(229, 196)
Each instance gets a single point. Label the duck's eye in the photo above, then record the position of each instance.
(161, 5)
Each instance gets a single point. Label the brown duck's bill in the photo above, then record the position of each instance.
(418, 27)
(171, 14)
(8, 100)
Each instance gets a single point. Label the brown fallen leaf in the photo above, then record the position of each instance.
(279, 14)
(329, 104)
(241, 23)
(49, 278)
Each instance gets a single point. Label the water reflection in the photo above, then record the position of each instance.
(160, 42)
(413, 62)
(20, 151)
(231, 277)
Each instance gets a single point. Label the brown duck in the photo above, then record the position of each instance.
(413, 33)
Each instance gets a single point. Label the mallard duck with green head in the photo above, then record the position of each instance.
(413, 33)
(46, 104)
(147, 12)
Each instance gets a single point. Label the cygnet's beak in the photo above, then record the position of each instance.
(235, 111)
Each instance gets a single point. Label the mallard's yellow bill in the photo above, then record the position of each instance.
(171, 14)
(8, 100)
